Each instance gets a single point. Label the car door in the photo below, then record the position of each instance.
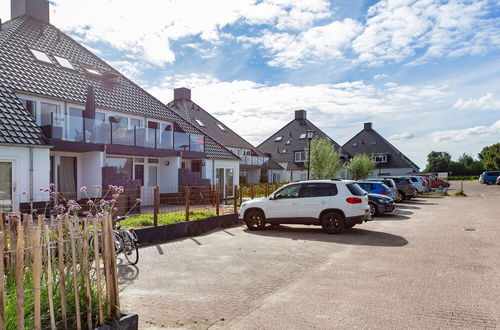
(282, 206)
(314, 198)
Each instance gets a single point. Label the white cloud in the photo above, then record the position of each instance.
(486, 102)
(316, 44)
(257, 110)
(402, 136)
(147, 28)
(486, 132)
(380, 76)
(395, 30)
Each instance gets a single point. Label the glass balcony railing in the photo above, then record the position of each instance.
(89, 130)
(252, 160)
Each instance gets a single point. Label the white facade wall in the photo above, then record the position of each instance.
(22, 180)
(91, 169)
(169, 174)
(392, 171)
(211, 165)
(253, 175)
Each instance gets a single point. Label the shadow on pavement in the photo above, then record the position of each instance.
(405, 206)
(353, 236)
(126, 273)
(391, 217)
(419, 202)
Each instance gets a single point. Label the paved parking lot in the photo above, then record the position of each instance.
(433, 264)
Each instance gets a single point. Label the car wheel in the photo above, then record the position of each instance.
(403, 196)
(351, 225)
(254, 219)
(398, 198)
(440, 186)
(332, 222)
(373, 209)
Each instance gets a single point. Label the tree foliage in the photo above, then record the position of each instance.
(491, 157)
(438, 161)
(360, 166)
(325, 160)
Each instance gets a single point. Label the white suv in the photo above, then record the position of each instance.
(333, 204)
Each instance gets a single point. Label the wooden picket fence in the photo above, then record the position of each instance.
(50, 276)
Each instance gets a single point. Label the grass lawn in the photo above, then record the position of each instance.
(146, 220)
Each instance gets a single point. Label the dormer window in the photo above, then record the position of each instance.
(278, 139)
(221, 127)
(199, 122)
(41, 56)
(288, 142)
(283, 151)
(355, 144)
(373, 143)
(64, 62)
(302, 136)
(92, 71)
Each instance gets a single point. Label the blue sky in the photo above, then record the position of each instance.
(425, 72)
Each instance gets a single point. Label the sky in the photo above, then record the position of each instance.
(426, 73)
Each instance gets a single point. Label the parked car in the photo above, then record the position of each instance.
(380, 204)
(489, 177)
(498, 180)
(375, 187)
(435, 182)
(419, 183)
(405, 187)
(392, 185)
(333, 204)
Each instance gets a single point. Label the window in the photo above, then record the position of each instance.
(278, 139)
(221, 127)
(41, 56)
(367, 186)
(152, 176)
(355, 189)
(287, 142)
(283, 151)
(319, 190)
(199, 122)
(302, 136)
(413, 179)
(373, 143)
(120, 165)
(138, 160)
(51, 114)
(355, 144)
(119, 121)
(100, 117)
(135, 122)
(291, 191)
(378, 158)
(92, 71)
(153, 161)
(300, 156)
(64, 62)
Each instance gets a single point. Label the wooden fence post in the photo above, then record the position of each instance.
(105, 258)
(217, 196)
(241, 194)
(156, 205)
(72, 227)
(187, 201)
(98, 268)
(62, 280)
(2, 250)
(49, 279)
(86, 279)
(252, 191)
(37, 273)
(20, 276)
(235, 192)
(267, 189)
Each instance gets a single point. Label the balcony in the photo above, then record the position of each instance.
(79, 129)
(253, 160)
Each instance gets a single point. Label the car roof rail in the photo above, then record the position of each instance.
(335, 179)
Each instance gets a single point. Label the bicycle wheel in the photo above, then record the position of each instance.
(130, 249)
(118, 241)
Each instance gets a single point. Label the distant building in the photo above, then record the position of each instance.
(390, 161)
(255, 166)
(288, 146)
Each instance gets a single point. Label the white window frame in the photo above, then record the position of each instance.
(302, 136)
(64, 62)
(379, 158)
(200, 122)
(221, 127)
(278, 138)
(41, 56)
(300, 156)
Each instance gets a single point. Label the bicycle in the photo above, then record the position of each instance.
(125, 240)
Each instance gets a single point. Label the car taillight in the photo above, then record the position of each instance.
(354, 200)
(384, 192)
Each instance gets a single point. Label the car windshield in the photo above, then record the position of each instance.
(291, 191)
(355, 189)
(385, 187)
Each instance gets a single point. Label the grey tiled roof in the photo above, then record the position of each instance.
(16, 124)
(370, 142)
(20, 71)
(191, 111)
(291, 132)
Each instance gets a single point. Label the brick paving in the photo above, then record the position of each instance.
(419, 268)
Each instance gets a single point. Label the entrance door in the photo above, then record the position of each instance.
(6, 186)
(229, 182)
(66, 177)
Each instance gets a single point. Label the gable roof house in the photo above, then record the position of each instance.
(389, 160)
(98, 127)
(289, 144)
(255, 166)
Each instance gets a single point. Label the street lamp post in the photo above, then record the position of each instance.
(310, 135)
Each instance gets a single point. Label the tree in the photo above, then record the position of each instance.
(466, 165)
(438, 161)
(325, 160)
(360, 166)
(491, 157)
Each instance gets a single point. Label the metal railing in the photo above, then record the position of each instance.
(253, 160)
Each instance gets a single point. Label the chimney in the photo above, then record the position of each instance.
(368, 125)
(300, 115)
(35, 8)
(182, 93)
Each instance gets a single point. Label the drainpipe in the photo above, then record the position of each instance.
(213, 171)
(31, 174)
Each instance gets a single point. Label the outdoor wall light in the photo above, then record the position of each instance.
(167, 163)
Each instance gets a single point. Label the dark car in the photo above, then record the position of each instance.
(380, 204)
(405, 187)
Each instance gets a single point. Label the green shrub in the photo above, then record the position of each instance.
(146, 219)
(463, 178)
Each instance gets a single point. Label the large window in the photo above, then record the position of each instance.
(30, 106)
(51, 114)
(121, 165)
(379, 158)
(300, 156)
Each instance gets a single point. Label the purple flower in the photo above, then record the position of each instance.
(90, 202)
(52, 185)
(138, 200)
(115, 196)
(97, 186)
(83, 189)
(115, 209)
